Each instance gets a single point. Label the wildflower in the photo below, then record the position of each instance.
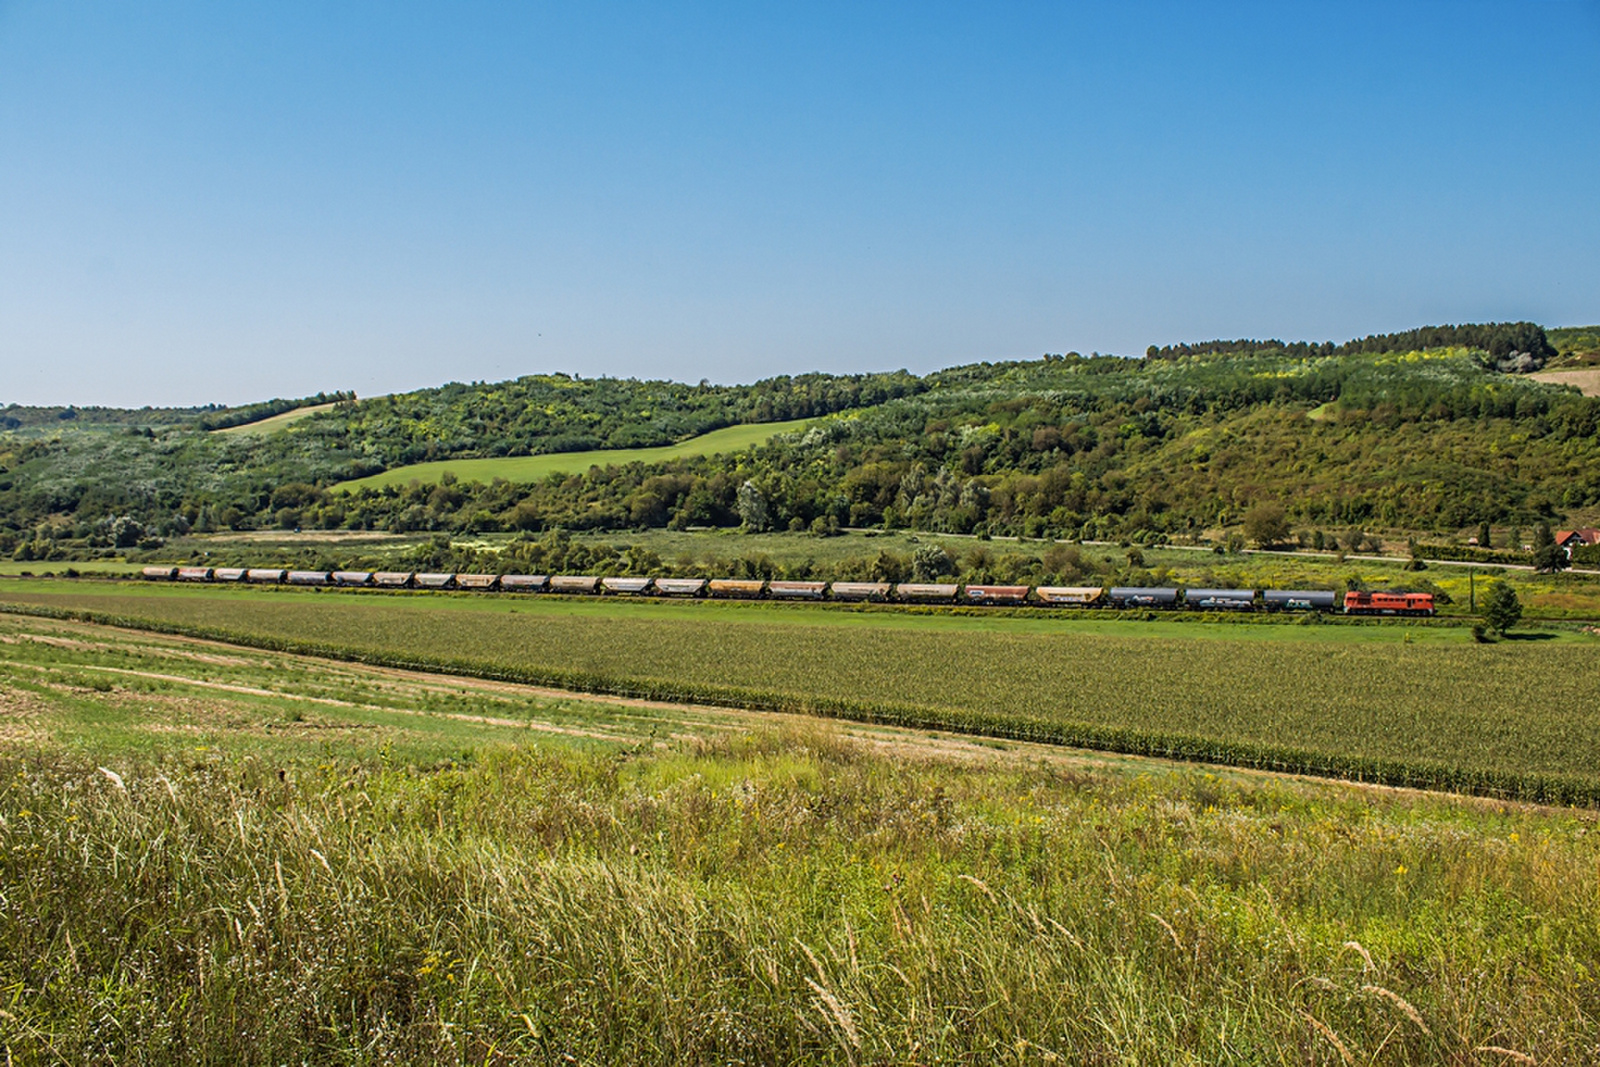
(1400, 871)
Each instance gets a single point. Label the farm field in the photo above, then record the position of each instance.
(1407, 704)
(443, 869)
(538, 467)
(273, 423)
(1586, 380)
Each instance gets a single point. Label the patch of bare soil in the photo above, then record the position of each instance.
(19, 716)
(1587, 380)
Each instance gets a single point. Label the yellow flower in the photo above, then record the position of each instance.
(1400, 871)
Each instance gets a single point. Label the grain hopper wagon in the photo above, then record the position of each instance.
(926, 592)
(875, 591)
(626, 586)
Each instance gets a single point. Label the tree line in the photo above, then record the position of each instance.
(224, 418)
(1497, 339)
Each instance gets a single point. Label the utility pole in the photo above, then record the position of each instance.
(1472, 588)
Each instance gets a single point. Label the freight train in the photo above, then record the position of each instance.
(1078, 596)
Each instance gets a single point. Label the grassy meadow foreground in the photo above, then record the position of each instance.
(224, 854)
(1409, 704)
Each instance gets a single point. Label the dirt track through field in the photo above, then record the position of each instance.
(303, 698)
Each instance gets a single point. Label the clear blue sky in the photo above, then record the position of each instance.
(226, 202)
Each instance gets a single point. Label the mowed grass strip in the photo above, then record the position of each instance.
(537, 468)
(1514, 719)
(130, 693)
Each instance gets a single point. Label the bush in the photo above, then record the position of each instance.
(1267, 524)
(931, 562)
(1501, 608)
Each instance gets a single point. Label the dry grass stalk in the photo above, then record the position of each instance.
(982, 886)
(837, 1014)
(1323, 1029)
(1168, 928)
(1366, 957)
(1400, 1002)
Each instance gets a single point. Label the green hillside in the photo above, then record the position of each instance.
(536, 468)
(1375, 434)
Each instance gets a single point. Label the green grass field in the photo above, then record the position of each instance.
(273, 423)
(223, 854)
(1406, 704)
(537, 468)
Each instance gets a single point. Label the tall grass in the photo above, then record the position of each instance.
(782, 897)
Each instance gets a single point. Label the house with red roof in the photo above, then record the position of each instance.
(1570, 539)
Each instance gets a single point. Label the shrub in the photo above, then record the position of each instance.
(1501, 608)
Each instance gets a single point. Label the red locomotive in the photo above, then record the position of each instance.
(1362, 603)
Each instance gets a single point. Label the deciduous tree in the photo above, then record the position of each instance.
(1267, 524)
(1548, 557)
(1501, 608)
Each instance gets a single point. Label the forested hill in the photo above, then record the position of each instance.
(36, 421)
(557, 413)
(1190, 437)
(1501, 340)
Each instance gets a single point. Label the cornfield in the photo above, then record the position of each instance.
(1512, 721)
